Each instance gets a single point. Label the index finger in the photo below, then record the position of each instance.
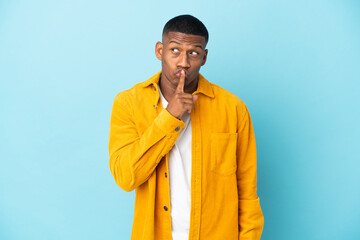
(180, 86)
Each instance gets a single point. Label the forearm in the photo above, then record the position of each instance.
(134, 158)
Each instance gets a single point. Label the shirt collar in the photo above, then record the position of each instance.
(204, 85)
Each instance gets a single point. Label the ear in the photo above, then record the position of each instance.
(204, 58)
(159, 50)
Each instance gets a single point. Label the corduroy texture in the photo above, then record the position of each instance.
(224, 202)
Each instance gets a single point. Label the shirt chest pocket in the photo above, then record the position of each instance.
(223, 153)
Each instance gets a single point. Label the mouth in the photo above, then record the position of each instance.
(178, 73)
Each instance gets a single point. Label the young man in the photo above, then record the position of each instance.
(187, 147)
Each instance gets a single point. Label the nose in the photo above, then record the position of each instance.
(183, 61)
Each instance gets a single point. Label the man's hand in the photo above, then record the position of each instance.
(181, 101)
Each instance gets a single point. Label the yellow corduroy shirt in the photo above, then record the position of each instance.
(224, 201)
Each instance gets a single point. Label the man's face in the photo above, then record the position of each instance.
(180, 51)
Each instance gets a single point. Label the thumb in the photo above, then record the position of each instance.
(195, 97)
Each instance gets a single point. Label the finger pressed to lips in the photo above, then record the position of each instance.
(180, 87)
(181, 72)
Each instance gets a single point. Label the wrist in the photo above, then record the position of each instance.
(174, 115)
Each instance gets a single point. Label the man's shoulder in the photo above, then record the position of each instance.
(224, 95)
(139, 89)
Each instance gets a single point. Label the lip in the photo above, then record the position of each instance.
(178, 73)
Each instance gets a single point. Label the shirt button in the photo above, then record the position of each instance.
(165, 208)
(154, 88)
(165, 174)
(177, 128)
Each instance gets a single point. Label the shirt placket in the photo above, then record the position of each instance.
(195, 216)
(164, 173)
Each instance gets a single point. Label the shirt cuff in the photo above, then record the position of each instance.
(169, 124)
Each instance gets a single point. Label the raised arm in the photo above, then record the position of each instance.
(134, 157)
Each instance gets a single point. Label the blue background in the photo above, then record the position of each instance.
(296, 64)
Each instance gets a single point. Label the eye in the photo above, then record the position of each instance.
(193, 53)
(174, 50)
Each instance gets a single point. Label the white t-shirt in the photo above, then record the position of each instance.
(180, 179)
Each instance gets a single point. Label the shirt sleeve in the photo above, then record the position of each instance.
(134, 156)
(251, 220)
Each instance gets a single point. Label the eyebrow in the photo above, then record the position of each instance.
(199, 46)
